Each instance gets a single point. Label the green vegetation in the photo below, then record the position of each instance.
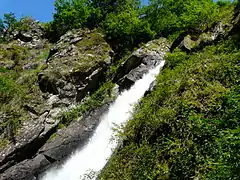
(69, 15)
(127, 23)
(17, 87)
(181, 15)
(119, 19)
(189, 126)
(9, 22)
(127, 28)
(12, 97)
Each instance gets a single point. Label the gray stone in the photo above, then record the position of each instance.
(74, 136)
(139, 63)
(74, 68)
(26, 170)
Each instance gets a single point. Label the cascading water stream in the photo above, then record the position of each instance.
(95, 154)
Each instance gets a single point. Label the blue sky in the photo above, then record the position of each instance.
(41, 10)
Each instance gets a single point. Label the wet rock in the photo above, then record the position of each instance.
(132, 62)
(26, 170)
(151, 88)
(32, 135)
(140, 62)
(74, 136)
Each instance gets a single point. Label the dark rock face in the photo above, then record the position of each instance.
(132, 62)
(236, 21)
(140, 62)
(74, 136)
(27, 169)
(54, 151)
(32, 136)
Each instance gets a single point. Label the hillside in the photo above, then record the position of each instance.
(58, 78)
(188, 126)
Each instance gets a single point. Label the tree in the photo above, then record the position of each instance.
(111, 6)
(1, 27)
(69, 14)
(9, 20)
(72, 14)
(169, 16)
(126, 28)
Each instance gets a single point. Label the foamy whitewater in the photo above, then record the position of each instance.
(95, 154)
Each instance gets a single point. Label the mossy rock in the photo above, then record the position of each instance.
(75, 58)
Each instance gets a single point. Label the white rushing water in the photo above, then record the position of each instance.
(94, 155)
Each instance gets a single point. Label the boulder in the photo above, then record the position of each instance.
(29, 33)
(193, 41)
(76, 65)
(31, 137)
(140, 61)
(27, 169)
(187, 44)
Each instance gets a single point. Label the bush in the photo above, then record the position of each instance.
(167, 16)
(126, 28)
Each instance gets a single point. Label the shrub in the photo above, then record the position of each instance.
(167, 16)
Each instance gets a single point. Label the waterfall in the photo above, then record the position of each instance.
(95, 154)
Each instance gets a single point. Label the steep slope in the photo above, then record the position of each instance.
(189, 126)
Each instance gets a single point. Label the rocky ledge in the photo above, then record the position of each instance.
(140, 61)
(54, 150)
